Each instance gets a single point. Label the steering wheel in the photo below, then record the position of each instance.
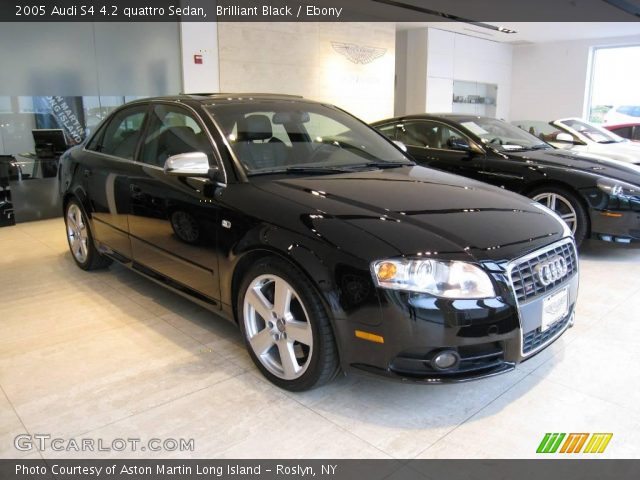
(496, 140)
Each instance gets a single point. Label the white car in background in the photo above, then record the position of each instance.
(579, 136)
(622, 114)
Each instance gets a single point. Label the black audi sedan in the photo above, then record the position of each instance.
(316, 234)
(598, 198)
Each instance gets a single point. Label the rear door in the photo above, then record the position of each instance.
(109, 162)
(172, 220)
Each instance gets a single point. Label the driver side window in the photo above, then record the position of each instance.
(427, 134)
(172, 131)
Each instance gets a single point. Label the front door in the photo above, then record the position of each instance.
(172, 220)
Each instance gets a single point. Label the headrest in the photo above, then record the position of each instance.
(255, 127)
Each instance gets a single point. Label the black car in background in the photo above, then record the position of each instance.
(317, 235)
(598, 198)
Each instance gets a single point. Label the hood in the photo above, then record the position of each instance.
(627, 151)
(416, 210)
(592, 164)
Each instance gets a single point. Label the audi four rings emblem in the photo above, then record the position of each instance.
(551, 270)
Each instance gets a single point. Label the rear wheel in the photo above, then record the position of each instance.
(286, 329)
(568, 207)
(80, 239)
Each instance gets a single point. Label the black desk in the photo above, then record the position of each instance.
(32, 186)
(6, 206)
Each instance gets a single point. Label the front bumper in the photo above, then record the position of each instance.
(622, 226)
(490, 336)
(613, 218)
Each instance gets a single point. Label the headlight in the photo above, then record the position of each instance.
(617, 188)
(439, 278)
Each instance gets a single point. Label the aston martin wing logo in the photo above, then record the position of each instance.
(358, 53)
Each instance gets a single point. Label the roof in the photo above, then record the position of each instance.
(225, 96)
(427, 116)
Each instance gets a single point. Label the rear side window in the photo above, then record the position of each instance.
(120, 137)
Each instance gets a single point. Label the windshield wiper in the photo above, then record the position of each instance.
(522, 148)
(388, 164)
(316, 170)
(323, 170)
(539, 146)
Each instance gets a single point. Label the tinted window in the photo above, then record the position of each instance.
(636, 133)
(172, 131)
(413, 134)
(622, 131)
(428, 134)
(388, 131)
(121, 135)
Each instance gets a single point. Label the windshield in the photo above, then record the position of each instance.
(293, 136)
(501, 135)
(592, 132)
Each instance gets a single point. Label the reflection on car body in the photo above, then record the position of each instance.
(598, 198)
(327, 245)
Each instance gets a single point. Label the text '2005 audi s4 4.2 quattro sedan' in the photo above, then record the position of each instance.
(329, 247)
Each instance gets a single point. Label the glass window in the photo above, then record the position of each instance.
(624, 132)
(388, 131)
(501, 135)
(429, 134)
(121, 135)
(278, 136)
(172, 131)
(613, 94)
(592, 132)
(413, 135)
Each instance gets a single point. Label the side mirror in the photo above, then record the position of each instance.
(192, 164)
(564, 138)
(457, 143)
(400, 145)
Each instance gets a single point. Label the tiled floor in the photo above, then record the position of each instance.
(108, 355)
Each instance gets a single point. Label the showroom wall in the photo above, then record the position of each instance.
(426, 84)
(347, 64)
(199, 47)
(550, 80)
(69, 75)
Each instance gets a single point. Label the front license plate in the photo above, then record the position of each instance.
(554, 308)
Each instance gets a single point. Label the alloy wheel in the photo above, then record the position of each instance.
(77, 233)
(277, 327)
(561, 206)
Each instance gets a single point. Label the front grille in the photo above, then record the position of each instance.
(526, 284)
(535, 338)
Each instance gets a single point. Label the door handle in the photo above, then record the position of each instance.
(135, 189)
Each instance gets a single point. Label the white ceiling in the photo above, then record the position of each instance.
(535, 32)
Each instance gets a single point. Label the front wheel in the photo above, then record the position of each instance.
(568, 207)
(80, 239)
(286, 329)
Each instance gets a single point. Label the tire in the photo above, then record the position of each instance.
(80, 239)
(567, 205)
(297, 327)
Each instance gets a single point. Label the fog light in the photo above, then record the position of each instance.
(445, 360)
